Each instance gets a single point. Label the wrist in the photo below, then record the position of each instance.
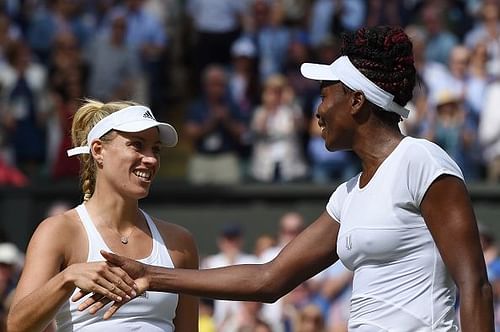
(68, 279)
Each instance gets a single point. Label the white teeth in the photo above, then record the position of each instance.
(143, 174)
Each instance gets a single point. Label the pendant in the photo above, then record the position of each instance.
(124, 239)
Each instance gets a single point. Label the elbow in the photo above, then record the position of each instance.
(271, 286)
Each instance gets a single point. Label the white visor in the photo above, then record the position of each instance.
(343, 70)
(131, 119)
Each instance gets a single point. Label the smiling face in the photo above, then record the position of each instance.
(333, 116)
(130, 161)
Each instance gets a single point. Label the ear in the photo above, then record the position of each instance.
(96, 150)
(358, 100)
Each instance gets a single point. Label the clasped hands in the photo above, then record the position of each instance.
(120, 290)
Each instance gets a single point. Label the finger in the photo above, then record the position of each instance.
(125, 282)
(90, 301)
(107, 281)
(111, 311)
(99, 289)
(98, 305)
(79, 295)
(110, 257)
(122, 280)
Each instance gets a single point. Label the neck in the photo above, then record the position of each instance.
(373, 145)
(112, 210)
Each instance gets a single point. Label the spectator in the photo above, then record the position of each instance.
(489, 132)
(386, 12)
(56, 17)
(333, 17)
(310, 319)
(290, 225)
(332, 294)
(492, 259)
(230, 243)
(262, 243)
(451, 131)
(11, 176)
(67, 75)
(244, 90)
(217, 25)
(272, 38)
(11, 261)
(147, 38)
(487, 32)
(277, 126)
(8, 32)
(247, 317)
(439, 40)
(243, 85)
(206, 321)
(24, 109)
(113, 63)
(215, 127)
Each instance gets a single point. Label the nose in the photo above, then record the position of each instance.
(316, 115)
(151, 158)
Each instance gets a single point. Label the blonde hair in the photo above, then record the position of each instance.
(85, 118)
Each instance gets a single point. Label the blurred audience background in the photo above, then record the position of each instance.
(226, 74)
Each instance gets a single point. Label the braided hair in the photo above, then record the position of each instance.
(384, 55)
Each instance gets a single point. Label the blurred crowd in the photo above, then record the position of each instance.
(226, 74)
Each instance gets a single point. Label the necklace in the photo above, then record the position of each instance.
(124, 238)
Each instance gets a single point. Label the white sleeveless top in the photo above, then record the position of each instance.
(152, 311)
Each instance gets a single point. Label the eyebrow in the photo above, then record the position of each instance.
(142, 139)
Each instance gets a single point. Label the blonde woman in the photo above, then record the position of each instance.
(119, 146)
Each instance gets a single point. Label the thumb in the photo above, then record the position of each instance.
(112, 258)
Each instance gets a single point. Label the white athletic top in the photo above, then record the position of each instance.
(152, 311)
(400, 281)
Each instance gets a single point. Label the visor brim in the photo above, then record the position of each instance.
(168, 134)
(319, 72)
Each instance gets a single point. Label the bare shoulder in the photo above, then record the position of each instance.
(180, 243)
(58, 234)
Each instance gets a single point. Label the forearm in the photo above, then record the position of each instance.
(36, 310)
(476, 309)
(249, 282)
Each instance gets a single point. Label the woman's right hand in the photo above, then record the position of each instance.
(100, 278)
(132, 268)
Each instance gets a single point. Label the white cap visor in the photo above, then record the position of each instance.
(315, 71)
(343, 70)
(131, 119)
(168, 135)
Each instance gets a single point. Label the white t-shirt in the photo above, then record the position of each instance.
(400, 281)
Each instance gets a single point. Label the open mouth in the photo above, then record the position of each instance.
(144, 175)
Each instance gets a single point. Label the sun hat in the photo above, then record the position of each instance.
(9, 254)
(343, 70)
(131, 119)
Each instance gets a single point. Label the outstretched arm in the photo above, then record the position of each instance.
(309, 253)
(448, 213)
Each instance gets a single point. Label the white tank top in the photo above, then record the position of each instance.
(152, 311)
